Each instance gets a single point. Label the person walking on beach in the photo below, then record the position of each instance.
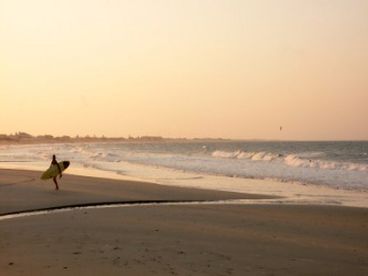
(55, 163)
(56, 168)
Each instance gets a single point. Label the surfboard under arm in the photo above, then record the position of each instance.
(53, 170)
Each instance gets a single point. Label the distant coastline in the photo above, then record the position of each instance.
(26, 138)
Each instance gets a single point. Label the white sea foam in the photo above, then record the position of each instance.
(225, 154)
(266, 156)
(293, 160)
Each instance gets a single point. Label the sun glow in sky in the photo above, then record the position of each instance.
(185, 68)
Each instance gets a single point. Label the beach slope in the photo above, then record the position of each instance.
(197, 239)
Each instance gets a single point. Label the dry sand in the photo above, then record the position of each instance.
(195, 239)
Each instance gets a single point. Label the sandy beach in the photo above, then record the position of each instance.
(212, 138)
(176, 239)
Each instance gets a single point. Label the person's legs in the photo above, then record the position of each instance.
(56, 184)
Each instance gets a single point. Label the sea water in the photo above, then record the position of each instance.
(342, 165)
(336, 165)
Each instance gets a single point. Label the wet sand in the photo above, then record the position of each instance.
(195, 239)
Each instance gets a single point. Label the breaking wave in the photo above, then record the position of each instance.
(292, 160)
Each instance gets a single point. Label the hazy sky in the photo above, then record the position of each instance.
(193, 68)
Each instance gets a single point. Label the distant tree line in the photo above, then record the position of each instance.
(24, 137)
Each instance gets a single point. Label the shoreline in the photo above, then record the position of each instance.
(76, 189)
(282, 192)
(171, 239)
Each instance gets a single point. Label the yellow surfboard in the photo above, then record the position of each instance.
(54, 170)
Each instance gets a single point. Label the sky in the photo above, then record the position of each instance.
(185, 68)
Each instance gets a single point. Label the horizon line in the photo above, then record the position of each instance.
(24, 136)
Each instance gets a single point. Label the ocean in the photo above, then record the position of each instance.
(338, 165)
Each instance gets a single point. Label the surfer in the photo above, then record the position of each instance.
(55, 163)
